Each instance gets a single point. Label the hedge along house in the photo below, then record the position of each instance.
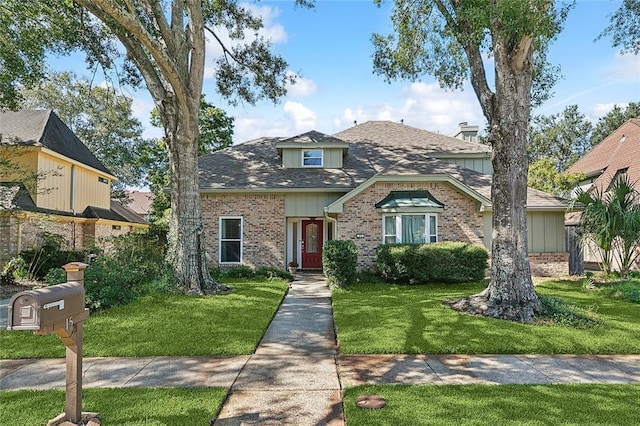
(71, 196)
(274, 200)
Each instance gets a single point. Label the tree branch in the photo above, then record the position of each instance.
(110, 12)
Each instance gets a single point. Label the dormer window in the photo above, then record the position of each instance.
(311, 158)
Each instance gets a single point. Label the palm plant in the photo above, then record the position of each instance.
(611, 218)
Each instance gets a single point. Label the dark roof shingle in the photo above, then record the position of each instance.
(44, 128)
(256, 165)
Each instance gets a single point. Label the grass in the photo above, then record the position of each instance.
(380, 318)
(497, 405)
(628, 289)
(130, 406)
(161, 325)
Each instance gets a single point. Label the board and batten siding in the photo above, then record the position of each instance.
(292, 158)
(545, 232)
(89, 191)
(308, 204)
(54, 188)
(482, 165)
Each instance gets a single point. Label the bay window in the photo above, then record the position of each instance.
(410, 228)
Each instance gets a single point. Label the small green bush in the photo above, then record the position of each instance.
(15, 268)
(437, 262)
(339, 262)
(271, 272)
(49, 254)
(240, 271)
(135, 267)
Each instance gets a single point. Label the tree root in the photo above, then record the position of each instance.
(481, 305)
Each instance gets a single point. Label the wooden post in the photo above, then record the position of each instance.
(72, 339)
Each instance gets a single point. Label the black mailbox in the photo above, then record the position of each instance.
(48, 309)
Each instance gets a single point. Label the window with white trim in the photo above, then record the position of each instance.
(231, 239)
(311, 158)
(410, 228)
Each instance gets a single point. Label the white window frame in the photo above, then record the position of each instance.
(321, 151)
(398, 222)
(221, 240)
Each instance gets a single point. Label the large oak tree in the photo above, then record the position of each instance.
(164, 45)
(494, 44)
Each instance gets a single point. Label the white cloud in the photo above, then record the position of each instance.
(304, 119)
(271, 31)
(302, 88)
(600, 110)
(626, 67)
(422, 105)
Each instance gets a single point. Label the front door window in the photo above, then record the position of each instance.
(312, 239)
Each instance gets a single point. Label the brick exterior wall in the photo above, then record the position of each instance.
(458, 221)
(549, 264)
(85, 234)
(263, 226)
(70, 232)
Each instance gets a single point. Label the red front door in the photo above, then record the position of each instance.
(312, 244)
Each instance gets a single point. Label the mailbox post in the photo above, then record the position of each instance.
(58, 309)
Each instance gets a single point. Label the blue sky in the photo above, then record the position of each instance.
(330, 48)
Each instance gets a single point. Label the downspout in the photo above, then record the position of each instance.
(335, 223)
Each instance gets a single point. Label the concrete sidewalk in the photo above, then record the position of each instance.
(296, 375)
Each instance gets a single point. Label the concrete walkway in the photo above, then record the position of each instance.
(296, 374)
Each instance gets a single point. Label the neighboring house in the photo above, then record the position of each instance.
(618, 154)
(273, 200)
(140, 202)
(72, 195)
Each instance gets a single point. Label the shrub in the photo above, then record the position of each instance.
(436, 262)
(339, 262)
(271, 272)
(134, 268)
(15, 268)
(49, 254)
(240, 271)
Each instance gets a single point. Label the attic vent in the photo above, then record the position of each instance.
(623, 138)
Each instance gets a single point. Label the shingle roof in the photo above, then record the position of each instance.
(118, 212)
(256, 165)
(14, 196)
(619, 150)
(44, 128)
(400, 136)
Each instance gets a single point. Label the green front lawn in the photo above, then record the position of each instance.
(160, 325)
(380, 318)
(497, 405)
(130, 406)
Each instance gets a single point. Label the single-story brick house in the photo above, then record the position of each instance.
(273, 200)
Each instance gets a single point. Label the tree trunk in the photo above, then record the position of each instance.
(510, 294)
(187, 248)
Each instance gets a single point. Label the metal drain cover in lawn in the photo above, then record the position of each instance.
(371, 401)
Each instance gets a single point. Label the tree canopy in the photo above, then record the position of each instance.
(163, 44)
(449, 40)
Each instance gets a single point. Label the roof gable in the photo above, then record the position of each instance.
(620, 150)
(44, 128)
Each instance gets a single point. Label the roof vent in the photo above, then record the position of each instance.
(402, 121)
(355, 122)
(623, 138)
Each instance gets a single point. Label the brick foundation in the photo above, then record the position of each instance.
(549, 264)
